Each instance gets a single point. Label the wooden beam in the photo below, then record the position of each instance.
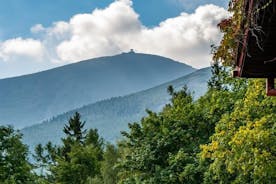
(236, 72)
(270, 87)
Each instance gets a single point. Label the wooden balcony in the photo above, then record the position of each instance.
(257, 51)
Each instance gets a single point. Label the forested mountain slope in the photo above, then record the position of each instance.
(113, 115)
(30, 99)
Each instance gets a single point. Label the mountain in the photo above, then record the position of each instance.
(33, 98)
(113, 115)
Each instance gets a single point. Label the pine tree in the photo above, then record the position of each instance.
(74, 129)
(78, 159)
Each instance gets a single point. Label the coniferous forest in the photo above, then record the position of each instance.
(228, 135)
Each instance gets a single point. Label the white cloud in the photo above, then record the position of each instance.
(100, 33)
(185, 38)
(37, 28)
(117, 29)
(18, 47)
(60, 28)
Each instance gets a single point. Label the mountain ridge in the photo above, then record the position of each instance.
(58, 90)
(87, 60)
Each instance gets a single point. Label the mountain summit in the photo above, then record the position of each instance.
(33, 98)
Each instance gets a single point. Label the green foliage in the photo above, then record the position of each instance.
(14, 165)
(235, 114)
(243, 147)
(93, 139)
(217, 81)
(109, 170)
(163, 148)
(226, 136)
(77, 160)
(82, 164)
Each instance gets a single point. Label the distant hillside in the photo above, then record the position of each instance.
(33, 98)
(112, 116)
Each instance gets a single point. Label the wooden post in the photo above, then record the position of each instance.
(270, 87)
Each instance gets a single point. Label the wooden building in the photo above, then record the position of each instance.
(257, 49)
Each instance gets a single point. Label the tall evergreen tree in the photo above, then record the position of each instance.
(74, 129)
(78, 159)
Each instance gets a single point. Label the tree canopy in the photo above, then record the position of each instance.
(14, 165)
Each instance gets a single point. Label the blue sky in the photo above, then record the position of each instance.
(17, 17)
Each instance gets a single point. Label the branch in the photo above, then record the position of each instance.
(269, 61)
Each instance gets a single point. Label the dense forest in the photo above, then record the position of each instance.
(228, 135)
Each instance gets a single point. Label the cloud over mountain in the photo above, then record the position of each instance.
(117, 28)
(27, 48)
